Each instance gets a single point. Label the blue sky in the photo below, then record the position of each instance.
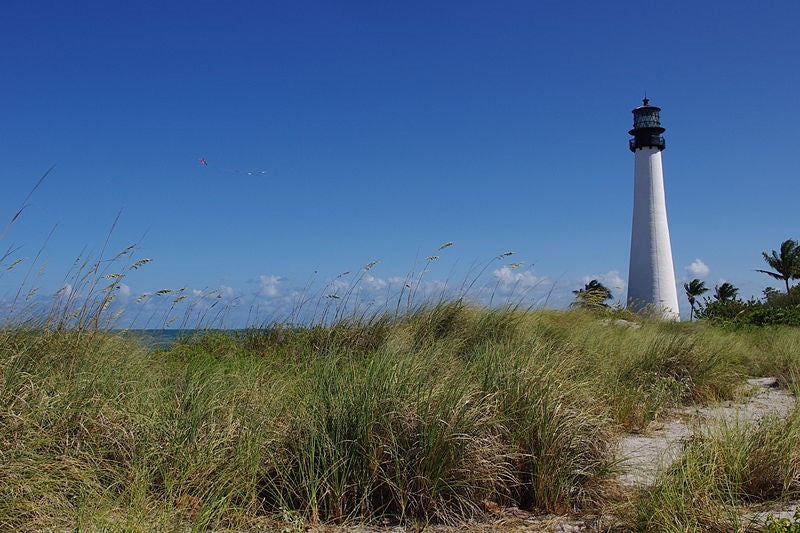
(389, 128)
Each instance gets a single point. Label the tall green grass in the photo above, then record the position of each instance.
(424, 416)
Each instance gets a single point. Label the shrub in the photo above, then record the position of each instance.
(770, 316)
(775, 311)
(784, 525)
(725, 310)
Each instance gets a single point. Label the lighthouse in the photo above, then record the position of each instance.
(651, 276)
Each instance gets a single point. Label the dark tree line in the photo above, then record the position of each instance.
(724, 302)
(776, 307)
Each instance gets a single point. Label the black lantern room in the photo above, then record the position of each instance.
(647, 128)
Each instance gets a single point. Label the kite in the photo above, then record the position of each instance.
(203, 161)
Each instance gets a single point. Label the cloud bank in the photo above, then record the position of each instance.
(698, 268)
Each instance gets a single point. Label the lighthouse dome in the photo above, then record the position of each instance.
(647, 128)
(646, 116)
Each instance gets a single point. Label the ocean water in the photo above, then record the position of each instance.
(160, 338)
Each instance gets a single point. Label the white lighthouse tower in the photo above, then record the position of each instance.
(651, 277)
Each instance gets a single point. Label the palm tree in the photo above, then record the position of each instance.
(694, 289)
(785, 264)
(593, 294)
(725, 292)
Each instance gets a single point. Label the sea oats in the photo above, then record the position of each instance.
(106, 303)
(15, 263)
(446, 245)
(125, 251)
(139, 263)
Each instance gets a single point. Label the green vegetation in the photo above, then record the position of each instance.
(718, 472)
(784, 525)
(434, 413)
(775, 308)
(593, 295)
(785, 264)
(694, 289)
(725, 292)
(419, 417)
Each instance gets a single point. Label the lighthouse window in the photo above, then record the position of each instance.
(647, 120)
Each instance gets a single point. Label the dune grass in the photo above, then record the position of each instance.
(719, 472)
(425, 416)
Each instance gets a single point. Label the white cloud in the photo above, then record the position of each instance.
(373, 283)
(698, 268)
(339, 284)
(226, 292)
(223, 292)
(610, 279)
(398, 280)
(65, 291)
(269, 285)
(510, 279)
(124, 290)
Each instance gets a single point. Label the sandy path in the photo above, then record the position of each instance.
(643, 456)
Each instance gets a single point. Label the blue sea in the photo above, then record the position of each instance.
(160, 338)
